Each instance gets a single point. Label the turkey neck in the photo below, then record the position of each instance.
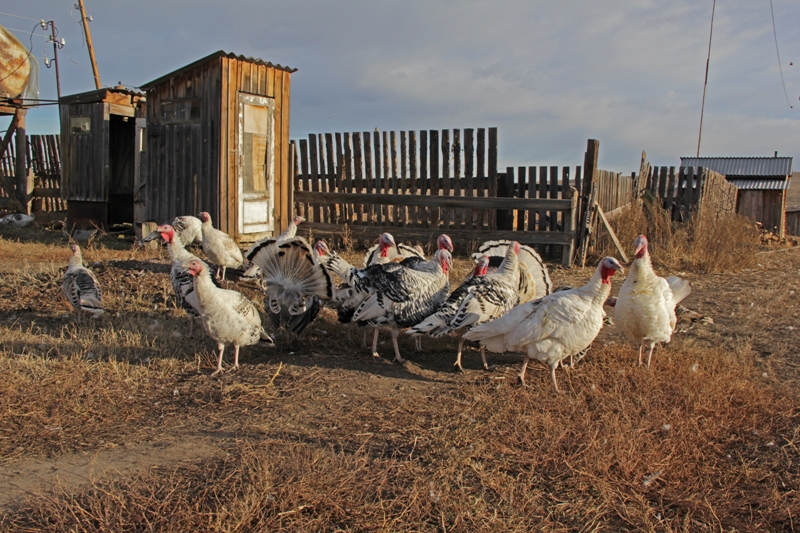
(203, 286)
(641, 269)
(596, 289)
(510, 263)
(177, 252)
(76, 261)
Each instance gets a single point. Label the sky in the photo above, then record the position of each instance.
(548, 74)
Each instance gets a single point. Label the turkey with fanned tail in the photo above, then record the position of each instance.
(534, 280)
(553, 327)
(295, 280)
(254, 271)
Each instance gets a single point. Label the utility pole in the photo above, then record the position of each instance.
(85, 21)
(56, 46)
(705, 83)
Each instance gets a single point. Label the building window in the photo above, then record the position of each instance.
(180, 111)
(80, 125)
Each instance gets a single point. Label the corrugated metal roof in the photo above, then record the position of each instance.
(750, 184)
(215, 55)
(743, 166)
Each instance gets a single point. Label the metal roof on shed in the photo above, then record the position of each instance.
(215, 55)
(743, 166)
(749, 184)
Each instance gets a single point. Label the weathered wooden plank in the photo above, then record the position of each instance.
(423, 173)
(396, 214)
(492, 171)
(434, 173)
(323, 177)
(553, 194)
(469, 173)
(611, 233)
(480, 172)
(568, 250)
(447, 215)
(460, 220)
(413, 175)
(368, 177)
(376, 147)
(403, 176)
(314, 210)
(436, 201)
(347, 210)
(522, 190)
(361, 232)
(670, 191)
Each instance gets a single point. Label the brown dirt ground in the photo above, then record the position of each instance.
(167, 411)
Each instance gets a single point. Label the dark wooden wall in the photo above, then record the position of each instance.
(85, 156)
(183, 159)
(766, 207)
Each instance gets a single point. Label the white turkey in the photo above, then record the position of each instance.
(219, 247)
(534, 280)
(81, 287)
(482, 297)
(554, 327)
(254, 272)
(18, 220)
(400, 297)
(228, 317)
(188, 230)
(295, 280)
(645, 306)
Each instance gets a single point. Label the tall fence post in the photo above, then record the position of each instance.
(24, 181)
(568, 250)
(589, 178)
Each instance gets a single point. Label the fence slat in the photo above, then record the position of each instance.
(469, 162)
(434, 172)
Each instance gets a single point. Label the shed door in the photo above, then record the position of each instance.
(256, 164)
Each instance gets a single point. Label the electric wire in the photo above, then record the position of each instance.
(780, 67)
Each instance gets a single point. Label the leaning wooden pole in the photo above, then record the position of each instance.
(89, 44)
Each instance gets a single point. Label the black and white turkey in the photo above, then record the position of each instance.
(481, 298)
(81, 287)
(399, 296)
(294, 278)
(254, 271)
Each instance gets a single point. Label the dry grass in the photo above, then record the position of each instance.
(705, 244)
(328, 440)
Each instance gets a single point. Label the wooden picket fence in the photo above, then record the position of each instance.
(44, 162)
(438, 181)
(689, 190)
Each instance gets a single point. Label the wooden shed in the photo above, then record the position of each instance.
(763, 183)
(98, 153)
(218, 141)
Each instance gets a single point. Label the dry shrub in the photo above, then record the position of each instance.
(707, 243)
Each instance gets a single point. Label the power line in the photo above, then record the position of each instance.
(18, 16)
(780, 67)
(25, 32)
